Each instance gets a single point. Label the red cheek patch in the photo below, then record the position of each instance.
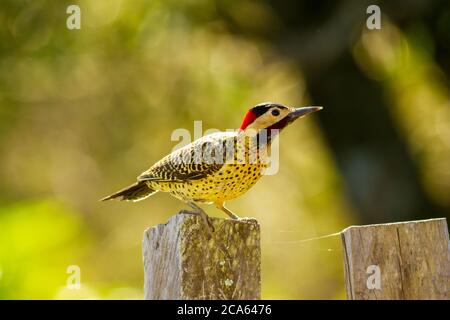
(248, 119)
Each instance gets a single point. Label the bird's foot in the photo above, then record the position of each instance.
(233, 216)
(206, 219)
(228, 212)
(209, 224)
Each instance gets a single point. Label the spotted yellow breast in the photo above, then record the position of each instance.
(189, 174)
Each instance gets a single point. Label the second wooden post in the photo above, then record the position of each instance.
(402, 261)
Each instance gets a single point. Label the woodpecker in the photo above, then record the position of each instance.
(217, 167)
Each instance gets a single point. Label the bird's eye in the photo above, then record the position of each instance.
(275, 112)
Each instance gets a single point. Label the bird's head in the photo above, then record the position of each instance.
(269, 115)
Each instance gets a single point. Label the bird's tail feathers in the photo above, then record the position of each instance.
(136, 192)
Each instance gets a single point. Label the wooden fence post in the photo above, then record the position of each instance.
(181, 263)
(407, 260)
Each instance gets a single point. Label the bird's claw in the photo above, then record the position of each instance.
(206, 219)
(210, 225)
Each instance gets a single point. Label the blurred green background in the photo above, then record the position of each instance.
(83, 112)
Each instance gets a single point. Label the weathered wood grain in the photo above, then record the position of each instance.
(413, 259)
(181, 262)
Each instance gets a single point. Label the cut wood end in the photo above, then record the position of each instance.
(194, 220)
(394, 224)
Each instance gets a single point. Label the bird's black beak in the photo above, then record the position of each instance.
(300, 112)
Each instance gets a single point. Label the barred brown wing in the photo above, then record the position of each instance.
(195, 161)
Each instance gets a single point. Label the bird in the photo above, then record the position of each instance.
(217, 167)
